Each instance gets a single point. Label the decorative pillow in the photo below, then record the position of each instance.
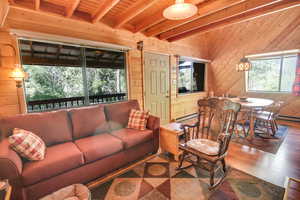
(138, 119)
(27, 144)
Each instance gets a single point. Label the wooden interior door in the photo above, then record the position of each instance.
(157, 97)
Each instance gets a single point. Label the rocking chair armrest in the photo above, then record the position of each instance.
(190, 125)
(223, 140)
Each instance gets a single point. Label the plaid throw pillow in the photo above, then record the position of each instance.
(138, 119)
(27, 144)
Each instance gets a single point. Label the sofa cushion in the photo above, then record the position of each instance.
(132, 137)
(27, 144)
(52, 127)
(138, 119)
(59, 158)
(117, 114)
(88, 121)
(98, 146)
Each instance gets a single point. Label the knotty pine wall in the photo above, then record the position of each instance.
(48, 23)
(11, 97)
(275, 32)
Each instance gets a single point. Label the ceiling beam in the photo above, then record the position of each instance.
(252, 14)
(104, 7)
(151, 21)
(4, 8)
(154, 18)
(37, 4)
(70, 9)
(204, 9)
(133, 11)
(158, 17)
(217, 16)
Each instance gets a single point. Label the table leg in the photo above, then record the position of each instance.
(176, 157)
(252, 121)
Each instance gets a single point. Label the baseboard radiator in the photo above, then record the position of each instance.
(187, 117)
(289, 118)
(281, 117)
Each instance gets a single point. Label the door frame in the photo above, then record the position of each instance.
(144, 80)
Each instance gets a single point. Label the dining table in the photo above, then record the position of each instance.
(252, 105)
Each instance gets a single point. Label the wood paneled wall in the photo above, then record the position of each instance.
(279, 31)
(10, 95)
(48, 23)
(4, 7)
(183, 105)
(275, 32)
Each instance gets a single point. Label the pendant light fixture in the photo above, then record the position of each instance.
(243, 65)
(180, 10)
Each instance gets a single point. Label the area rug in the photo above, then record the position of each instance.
(158, 179)
(270, 145)
(266, 145)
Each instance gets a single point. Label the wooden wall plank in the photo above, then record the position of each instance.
(11, 98)
(276, 32)
(4, 8)
(24, 19)
(239, 13)
(205, 8)
(8, 110)
(8, 99)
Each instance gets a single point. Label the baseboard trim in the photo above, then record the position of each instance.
(289, 118)
(186, 117)
(281, 117)
(103, 179)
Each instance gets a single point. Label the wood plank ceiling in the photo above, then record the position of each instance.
(145, 16)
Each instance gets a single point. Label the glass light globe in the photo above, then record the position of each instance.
(180, 10)
(243, 65)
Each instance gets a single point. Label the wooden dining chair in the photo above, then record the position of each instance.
(206, 110)
(208, 152)
(266, 118)
(242, 123)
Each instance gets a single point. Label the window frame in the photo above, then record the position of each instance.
(281, 57)
(196, 60)
(83, 67)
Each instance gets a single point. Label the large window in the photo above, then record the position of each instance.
(273, 74)
(191, 76)
(63, 76)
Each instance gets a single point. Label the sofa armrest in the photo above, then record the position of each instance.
(10, 162)
(154, 125)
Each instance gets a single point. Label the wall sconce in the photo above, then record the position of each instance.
(18, 75)
(140, 45)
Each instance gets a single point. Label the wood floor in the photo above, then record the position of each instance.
(274, 168)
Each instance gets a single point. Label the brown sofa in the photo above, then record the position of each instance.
(82, 144)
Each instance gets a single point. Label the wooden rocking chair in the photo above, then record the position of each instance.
(206, 110)
(209, 152)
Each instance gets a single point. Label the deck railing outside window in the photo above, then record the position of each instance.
(54, 104)
(65, 76)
